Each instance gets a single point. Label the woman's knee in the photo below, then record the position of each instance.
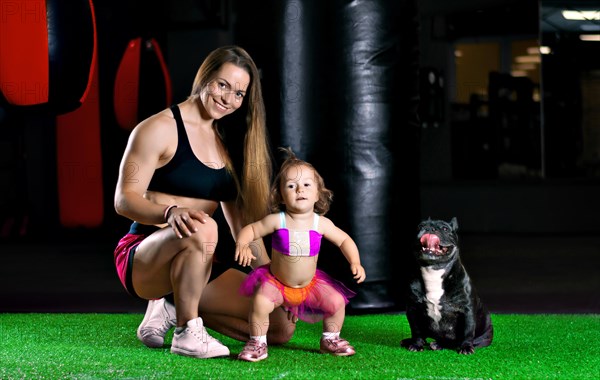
(205, 238)
(282, 334)
(281, 328)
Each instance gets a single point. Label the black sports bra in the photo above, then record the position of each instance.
(187, 176)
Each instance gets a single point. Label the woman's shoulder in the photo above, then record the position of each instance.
(160, 123)
(155, 133)
(160, 119)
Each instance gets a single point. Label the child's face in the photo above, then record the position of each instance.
(299, 189)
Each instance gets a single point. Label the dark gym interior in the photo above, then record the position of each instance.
(486, 111)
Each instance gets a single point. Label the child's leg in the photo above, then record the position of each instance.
(331, 343)
(225, 310)
(263, 304)
(333, 323)
(333, 305)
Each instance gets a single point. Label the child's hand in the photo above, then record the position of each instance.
(243, 254)
(359, 272)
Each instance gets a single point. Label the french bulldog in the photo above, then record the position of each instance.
(442, 303)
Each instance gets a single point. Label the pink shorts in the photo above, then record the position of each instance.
(124, 258)
(126, 249)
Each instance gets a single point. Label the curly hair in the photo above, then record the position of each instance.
(325, 195)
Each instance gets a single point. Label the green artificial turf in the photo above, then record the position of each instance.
(104, 346)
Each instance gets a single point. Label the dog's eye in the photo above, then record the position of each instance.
(445, 228)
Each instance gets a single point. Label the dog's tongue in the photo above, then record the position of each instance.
(430, 241)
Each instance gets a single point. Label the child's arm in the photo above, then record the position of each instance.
(348, 247)
(246, 249)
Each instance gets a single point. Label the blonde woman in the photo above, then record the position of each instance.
(177, 169)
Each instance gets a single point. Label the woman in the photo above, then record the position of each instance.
(174, 174)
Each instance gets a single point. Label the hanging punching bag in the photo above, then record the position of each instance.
(348, 104)
(363, 95)
(47, 64)
(374, 129)
(39, 68)
(142, 84)
(299, 65)
(79, 163)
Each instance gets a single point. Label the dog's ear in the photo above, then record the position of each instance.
(454, 223)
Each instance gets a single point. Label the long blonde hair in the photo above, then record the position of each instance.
(256, 170)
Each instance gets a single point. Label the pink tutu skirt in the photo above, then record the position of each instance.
(323, 297)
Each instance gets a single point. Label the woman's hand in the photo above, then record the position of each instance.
(291, 316)
(183, 220)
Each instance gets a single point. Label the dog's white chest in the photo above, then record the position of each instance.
(432, 279)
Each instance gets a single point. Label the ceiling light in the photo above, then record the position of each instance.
(528, 59)
(524, 66)
(581, 15)
(545, 50)
(590, 37)
(590, 27)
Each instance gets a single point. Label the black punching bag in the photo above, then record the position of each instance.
(299, 65)
(374, 66)
(347, 85)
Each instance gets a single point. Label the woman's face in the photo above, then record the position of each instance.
(225, 93)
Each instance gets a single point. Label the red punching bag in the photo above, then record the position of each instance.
(79, 163)
(78, 150)
(47, 50)
(142, 84)
(47, 64)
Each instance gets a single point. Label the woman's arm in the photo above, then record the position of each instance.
(148, 142)
(233, 216)
(151, 145)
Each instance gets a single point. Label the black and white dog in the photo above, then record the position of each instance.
(442, 302)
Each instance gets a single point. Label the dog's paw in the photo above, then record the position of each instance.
(411, 345)
(466, 349)
(415, 348)
(435, 346)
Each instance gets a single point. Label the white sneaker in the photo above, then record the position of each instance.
(194, 341)
(160, 317)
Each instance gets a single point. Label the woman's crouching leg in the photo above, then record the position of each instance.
(281, 327)
(226, 311)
